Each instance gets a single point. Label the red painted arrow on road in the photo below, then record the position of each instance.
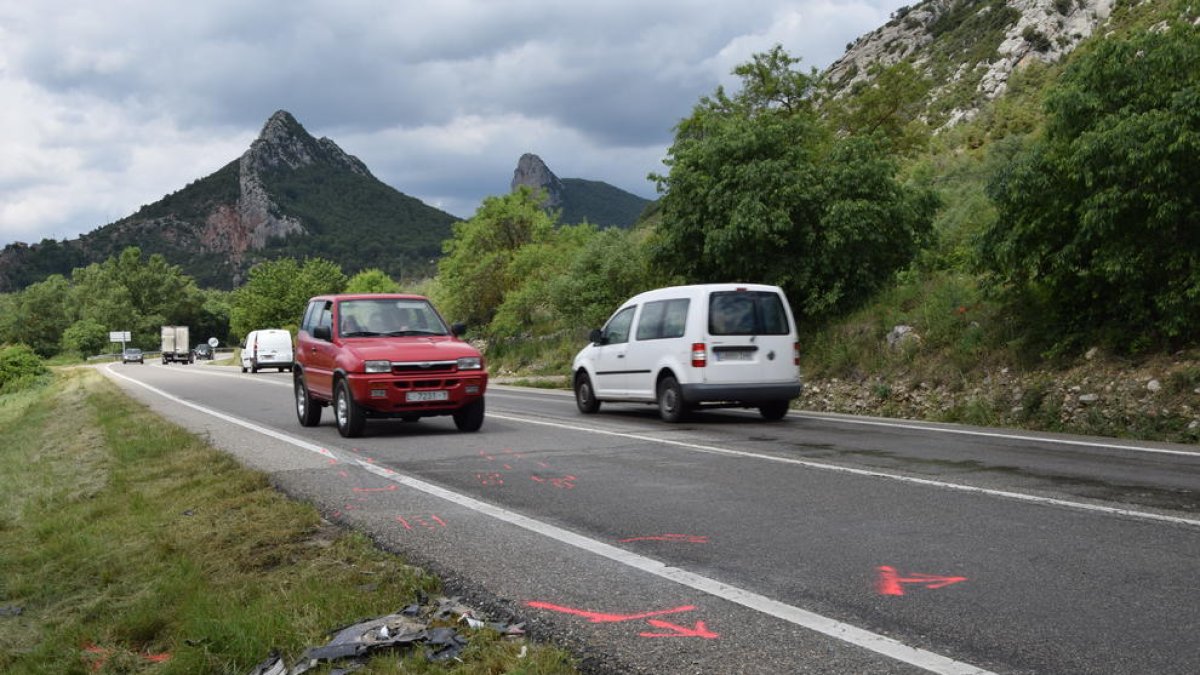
(700, 630)
(891, 583)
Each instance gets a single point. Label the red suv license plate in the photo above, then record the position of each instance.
(417, 396)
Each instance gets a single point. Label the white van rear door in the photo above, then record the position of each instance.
(751, 338)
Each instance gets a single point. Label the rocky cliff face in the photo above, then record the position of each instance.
(970, 47)
(531, 171)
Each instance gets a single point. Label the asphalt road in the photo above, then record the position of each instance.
(728, 544)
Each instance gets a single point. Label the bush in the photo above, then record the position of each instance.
(20, 368)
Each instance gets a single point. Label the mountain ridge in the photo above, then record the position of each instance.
(577, 199)
(253, 209)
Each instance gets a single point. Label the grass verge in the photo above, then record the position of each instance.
(129, 545)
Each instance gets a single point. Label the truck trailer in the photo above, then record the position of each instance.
(175, 345)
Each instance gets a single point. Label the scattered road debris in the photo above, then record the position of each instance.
(433, 627)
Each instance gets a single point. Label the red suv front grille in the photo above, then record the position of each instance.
(422, 369)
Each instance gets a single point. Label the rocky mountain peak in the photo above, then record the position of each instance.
(285, 144)
(532, 171)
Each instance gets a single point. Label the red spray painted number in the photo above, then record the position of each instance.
(698, 630)
(891, 583)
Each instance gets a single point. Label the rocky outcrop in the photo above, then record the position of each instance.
(531, 171)
(1021, 30)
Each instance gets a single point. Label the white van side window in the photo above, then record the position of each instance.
(617, 330)
(663, 319)
(746, 313)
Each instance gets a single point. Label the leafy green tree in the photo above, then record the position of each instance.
(1099, 220)
(527, 307)
(611, 266)
(372, 280)
(476, 273)
(761, 190)
(86, 337)
(275, 294)
(8, 317)
(42, 315)
(890, 103)
(134, 293)
(20, 367)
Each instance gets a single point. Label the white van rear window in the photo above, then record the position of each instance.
(746, 313)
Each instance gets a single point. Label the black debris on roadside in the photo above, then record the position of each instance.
(351, 646)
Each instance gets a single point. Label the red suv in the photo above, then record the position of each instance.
(384, 356)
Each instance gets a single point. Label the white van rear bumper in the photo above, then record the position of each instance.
(743, 393)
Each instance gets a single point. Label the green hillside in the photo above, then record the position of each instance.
(599, 203)
(357, 221)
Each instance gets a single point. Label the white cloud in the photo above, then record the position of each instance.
(108, 106)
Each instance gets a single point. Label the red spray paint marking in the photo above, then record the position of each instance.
(565, 482)
(891, 583)
(699, 630)
(600, 617)
(390, 488)
(684, 538)
(490, 478)
(432, 522)
(343, 474)
(102, 654)
(486, 456)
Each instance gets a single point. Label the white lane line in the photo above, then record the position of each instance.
(930, 426)
(880, 644)
(995, 434)
(1046, 501)
(1108, 510)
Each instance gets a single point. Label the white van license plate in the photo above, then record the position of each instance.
(735, 356)
(418, 396)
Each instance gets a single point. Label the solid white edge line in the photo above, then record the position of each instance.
(1110, 510)
(838, 630)
(994, 434)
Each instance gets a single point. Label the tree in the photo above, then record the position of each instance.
(761, 190)
(1099, 220)
(41, 315)
(611, 266)
(86, 337)
(277, 291)
(372, 280)
(475, 275)
(889, 103)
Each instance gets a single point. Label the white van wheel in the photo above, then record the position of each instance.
(671, 406)
(775, 410)
(585, 396)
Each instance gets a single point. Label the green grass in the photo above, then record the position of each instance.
(122, 531)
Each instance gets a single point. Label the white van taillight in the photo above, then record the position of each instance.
(796, 353)
(699, 355)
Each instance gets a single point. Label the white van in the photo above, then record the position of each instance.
(271, 348)
(711, 345)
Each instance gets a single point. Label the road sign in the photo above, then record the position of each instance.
(213, 342)
(118, 336)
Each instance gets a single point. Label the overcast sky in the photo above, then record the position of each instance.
(106, 106)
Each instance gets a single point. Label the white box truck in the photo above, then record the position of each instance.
(175, 345)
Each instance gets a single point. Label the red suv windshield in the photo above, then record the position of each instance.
(388, 317)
